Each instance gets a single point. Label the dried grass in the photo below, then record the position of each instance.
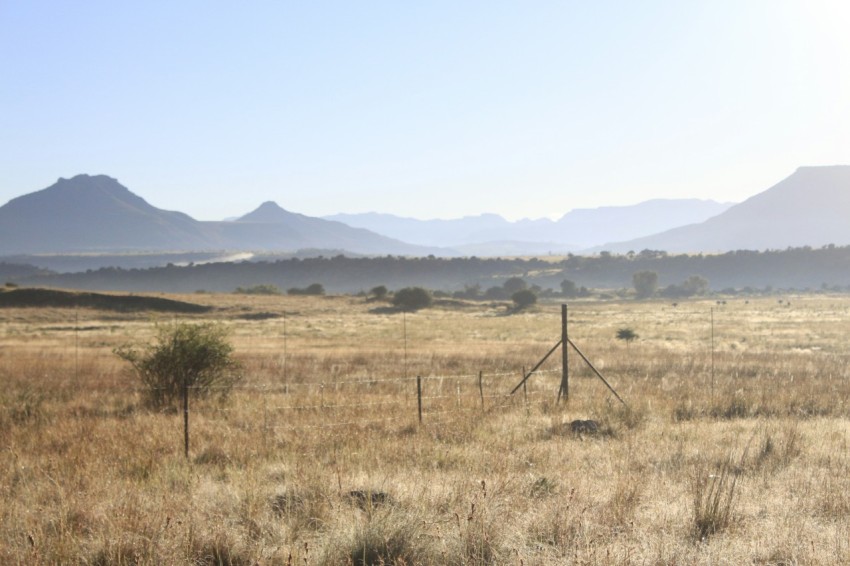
(89, 475)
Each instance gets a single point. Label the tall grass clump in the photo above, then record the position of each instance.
(714, 497)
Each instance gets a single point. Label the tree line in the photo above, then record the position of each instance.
(793, 268)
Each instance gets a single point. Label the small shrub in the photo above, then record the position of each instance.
(258, 290)
(379, 293)
(524, 299)
(195, 355)
(315, 289)
(412, 298)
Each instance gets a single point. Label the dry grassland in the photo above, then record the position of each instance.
(317, 458)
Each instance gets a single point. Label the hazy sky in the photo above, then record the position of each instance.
(424, 109)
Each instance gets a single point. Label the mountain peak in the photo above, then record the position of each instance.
(269, 211)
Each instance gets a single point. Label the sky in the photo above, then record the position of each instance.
(434, 109)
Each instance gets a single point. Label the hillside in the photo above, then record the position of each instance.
(809, 208)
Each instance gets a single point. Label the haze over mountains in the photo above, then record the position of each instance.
(96, 214)
(576, 230)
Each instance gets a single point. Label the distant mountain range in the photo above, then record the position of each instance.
(579, 229)
(87, 214)
(96, 214)
(809, 208)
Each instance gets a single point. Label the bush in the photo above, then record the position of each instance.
(313, 289)
(569, 288)
(524, 299)
(258, 290)
(379, 293)
(412, 298)
(514, 284)
(197, 355)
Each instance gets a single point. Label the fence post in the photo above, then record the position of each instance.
(481, 388)
(419, 396)
(564, 390)
(525, 392)
(186, 416)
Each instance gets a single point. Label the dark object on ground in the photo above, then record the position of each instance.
(584, 427)
(369, 499)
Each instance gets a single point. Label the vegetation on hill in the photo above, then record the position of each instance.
(27, 297)
(795, 268)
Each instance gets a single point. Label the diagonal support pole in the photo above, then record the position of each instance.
(596, 371)
(540, 363)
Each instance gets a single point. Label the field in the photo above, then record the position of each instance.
(731, 453)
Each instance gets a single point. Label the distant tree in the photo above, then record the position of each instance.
(412, 298)
(645, 283)
(627, 335)
(379, 293)
(524, 299)
(514, 284)
(695, 285)
(569, 288)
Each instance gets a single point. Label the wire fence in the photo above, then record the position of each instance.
(429, 400)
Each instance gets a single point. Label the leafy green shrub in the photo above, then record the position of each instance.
(197, 355)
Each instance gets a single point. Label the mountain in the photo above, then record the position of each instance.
(268, 225)
(96, 213)
(447, 233)
(589, 227)
(93, 213)
(809, 208)
(578, 229)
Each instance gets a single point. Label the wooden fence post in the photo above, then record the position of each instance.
(564, 390)
(481, 388)
(186, 416)
(525, 392)
(419, 396)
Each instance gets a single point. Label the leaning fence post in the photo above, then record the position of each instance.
(186, 416)
(419, 396)
(525, 392)
(481, 388)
